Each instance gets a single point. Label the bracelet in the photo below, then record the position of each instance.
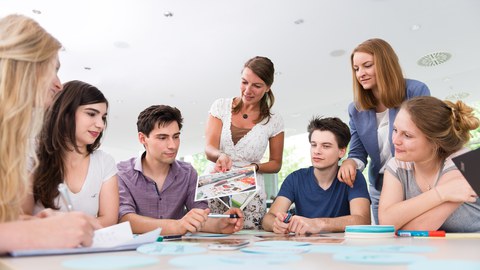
(257, 167)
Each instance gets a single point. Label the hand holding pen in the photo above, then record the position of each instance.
(233, 223)
(280, 224)
(287, 218)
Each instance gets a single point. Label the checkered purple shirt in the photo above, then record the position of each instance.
(139, 194)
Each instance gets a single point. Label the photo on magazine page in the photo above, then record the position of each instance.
(233, 182)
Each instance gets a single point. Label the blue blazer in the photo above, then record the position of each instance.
(363, 127)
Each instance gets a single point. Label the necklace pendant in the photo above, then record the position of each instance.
(245, 116)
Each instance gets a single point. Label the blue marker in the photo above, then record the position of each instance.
(288, 217)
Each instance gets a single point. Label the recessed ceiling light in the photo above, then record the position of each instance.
(278, 73)
(121, 44)
(168, 14)
(87, 68)
(434, 59)
(36, 11)
(337, 53)
(415, 27)
(299, 21)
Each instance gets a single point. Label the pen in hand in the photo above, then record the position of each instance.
(62, 188)
(287, 218)
(223, 216)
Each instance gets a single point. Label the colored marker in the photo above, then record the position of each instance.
(421, 233)
(222, 215)
(287, 218)
(162, 238)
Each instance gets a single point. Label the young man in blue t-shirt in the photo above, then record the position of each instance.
(323, 204)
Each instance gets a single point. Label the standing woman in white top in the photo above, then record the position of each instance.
(239, 130)
(68, 154)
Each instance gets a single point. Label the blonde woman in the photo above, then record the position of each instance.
(423, 189)
(379, 88)
(28, 63)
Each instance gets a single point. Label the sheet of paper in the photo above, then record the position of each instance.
(235, 181)
(113, 236)
(118, 237)
(110, 262)
(160, 248)
(312, 239)
(377, 258)
(460, 235)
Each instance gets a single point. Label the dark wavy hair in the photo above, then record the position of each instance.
(332, 124)
(58, 137)
(158, 115)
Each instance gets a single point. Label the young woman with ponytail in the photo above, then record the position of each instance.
(423, 189)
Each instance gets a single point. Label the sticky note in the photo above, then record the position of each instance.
(377, 258)
(159, 248)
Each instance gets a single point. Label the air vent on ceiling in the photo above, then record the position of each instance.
(434, 59)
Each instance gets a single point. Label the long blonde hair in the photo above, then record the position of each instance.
(389, 76)
(28, 56)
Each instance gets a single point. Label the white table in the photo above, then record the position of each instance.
(445, 249)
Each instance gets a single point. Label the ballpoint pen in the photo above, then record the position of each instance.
(62, 188)
(222, 215)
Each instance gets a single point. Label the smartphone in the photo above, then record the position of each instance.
(228, 244)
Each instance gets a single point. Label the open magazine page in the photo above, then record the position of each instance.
(233, 188)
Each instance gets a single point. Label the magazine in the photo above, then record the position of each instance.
(234, 188)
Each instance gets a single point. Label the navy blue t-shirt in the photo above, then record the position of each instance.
(311, 201)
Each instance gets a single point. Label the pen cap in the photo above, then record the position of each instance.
(437, 233)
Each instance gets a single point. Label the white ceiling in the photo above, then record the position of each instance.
(138, 56)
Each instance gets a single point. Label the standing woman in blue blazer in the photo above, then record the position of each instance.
(379, 88)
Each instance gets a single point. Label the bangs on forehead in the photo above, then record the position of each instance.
(162, 124)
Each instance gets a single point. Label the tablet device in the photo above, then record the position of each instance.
(468, 164)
